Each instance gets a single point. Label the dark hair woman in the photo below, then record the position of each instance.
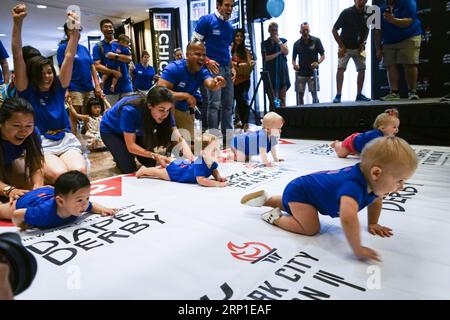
(243, 64)
(142, 127)
(46, 93)
(18, 136)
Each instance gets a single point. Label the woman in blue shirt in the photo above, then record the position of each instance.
(18, 137)
(143, 128)
(46, 93)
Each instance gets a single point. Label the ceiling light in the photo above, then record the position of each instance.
(60, 28)
(54, 49)
(2, 35)
(147, 10)
(41, 6)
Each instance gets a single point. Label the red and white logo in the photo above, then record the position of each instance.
(109, 187)
(250, 251)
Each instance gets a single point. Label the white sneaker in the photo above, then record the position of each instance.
(272, 215)
(255, 199)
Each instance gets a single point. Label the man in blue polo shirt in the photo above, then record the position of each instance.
(184, 77)
(401, 35)
(352, 42)
(102, 51)
(217, 33)
(4, 74)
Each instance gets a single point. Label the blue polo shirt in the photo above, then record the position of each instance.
(354, 27)
(3, 55)
(186, 172)
(360, 141)
(50, 111)
(124, 82)
(324, 190)
(402, 9)
(218, 37)
(177, 73)
(143, 77)
(250, 142)
(129, 119)
(81, 73)
(12, 152)
(42, 210)
(307, 54)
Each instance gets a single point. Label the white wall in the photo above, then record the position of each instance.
(321, 15)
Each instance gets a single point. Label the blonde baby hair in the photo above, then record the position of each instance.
(271, 118)
(385, 118)
(388, 152)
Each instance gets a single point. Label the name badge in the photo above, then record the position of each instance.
(216, 32)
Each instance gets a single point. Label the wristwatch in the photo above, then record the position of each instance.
(7, 190)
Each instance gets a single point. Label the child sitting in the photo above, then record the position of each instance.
(118, 47)
(95, 108)
(260, 142)
(386, 124)
(49, 207)
(385, 165)
(192, 172)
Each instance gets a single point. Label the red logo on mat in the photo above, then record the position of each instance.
(250, 251)
(281, 141)
(111, 187)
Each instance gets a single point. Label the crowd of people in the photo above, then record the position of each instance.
(144, 118)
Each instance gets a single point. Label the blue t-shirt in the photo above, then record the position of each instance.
(360, 141)
(3, 55)
(124, 82)
(402, 9)
(49, 109)
(183, 171)
(178, 75)
(129, 119)
(324, 190)
(218, 37)
(143, 76)
(250, 142)
(12, 152)
(354, 27)
(81, 73)
(42, 210)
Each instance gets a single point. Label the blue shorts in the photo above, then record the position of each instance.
(294, 193)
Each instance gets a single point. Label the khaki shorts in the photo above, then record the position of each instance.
(358, 57)
(80, 99)
(183, 120)
(301, 81)
(404, 52)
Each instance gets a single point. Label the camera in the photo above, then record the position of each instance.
(22, 264)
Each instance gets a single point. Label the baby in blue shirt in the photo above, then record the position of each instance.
(197, 171)
(260, 142)
(386, 124)
(121, 46)
(385, 165)
(49, 207)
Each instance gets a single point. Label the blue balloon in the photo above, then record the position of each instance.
(275, 7)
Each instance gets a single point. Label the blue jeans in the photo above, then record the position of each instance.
(222, 100)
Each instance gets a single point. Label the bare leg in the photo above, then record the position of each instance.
(159, 173)
(240, 156)
(339, 80)
(393, 77)
(342, 152)
(53, 168)
(411, 75)
(114, 80)
(282, 96)
(360, 80)
(74, 160)
(304, 219)
(275, 202)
